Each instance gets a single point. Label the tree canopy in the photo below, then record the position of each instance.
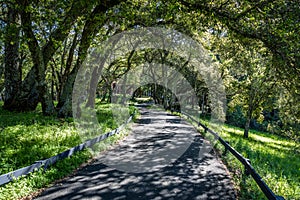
(255, 44)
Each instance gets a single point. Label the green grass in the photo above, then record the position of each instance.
(143, 99)
(276, 159)
(29, 136)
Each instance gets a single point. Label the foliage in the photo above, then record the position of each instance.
(289, 112)
(256, 44)
(235, 117)
(62, 33)
(253, 87)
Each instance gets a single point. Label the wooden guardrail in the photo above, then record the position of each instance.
(246, 162)
(8, 177)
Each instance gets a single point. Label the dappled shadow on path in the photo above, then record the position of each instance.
(186, 177)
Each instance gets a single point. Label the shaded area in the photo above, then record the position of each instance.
(182, 176)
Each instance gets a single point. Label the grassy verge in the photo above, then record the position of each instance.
(276, 159)
(28, 137)
(143, 99)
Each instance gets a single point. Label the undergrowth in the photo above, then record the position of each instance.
(30, 136)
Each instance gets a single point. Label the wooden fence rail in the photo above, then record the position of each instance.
(246, 162)
(10, 176)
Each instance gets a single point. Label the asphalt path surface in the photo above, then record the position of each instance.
(163, 157)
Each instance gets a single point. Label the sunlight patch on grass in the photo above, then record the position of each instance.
(273, 157)
(276, 159)
(30, 136)
(260, 136)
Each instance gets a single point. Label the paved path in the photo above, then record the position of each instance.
(160, 159)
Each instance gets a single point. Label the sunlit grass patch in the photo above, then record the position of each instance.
(30, 136)
(143, 99)
(275, 158)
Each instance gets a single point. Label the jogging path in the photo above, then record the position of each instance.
(152, 162)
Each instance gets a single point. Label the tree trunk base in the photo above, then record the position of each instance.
(22, 104)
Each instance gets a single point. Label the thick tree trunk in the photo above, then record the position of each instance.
(93, 86)
(24, 96)
(11, 60)
(64, 105)
(34, 88)
(27, 98)
(90, 30)
(46, 99)
(40, 64)
(42, 88)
